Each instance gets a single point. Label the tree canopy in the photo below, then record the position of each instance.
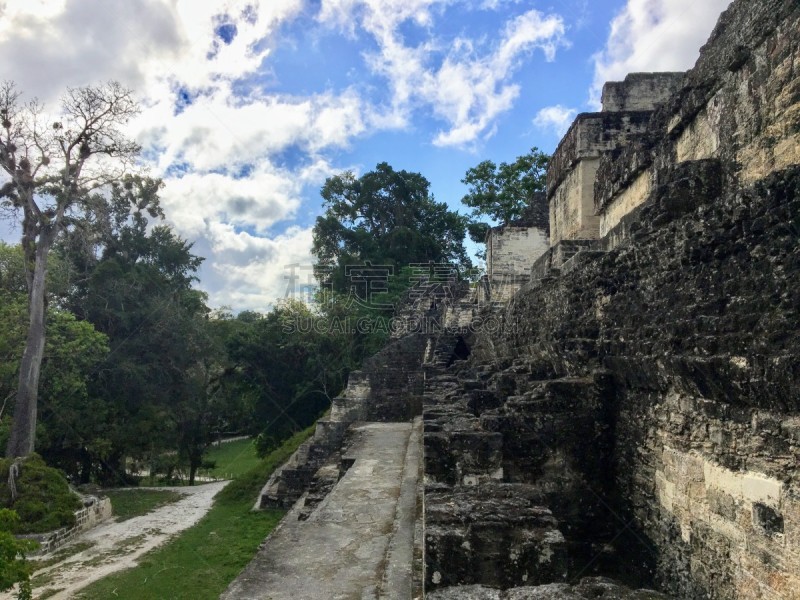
(133, 283)
(504, 192)
(385, 217)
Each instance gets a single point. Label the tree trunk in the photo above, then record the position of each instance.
(23, 431)
(86, 467)
(193, 466)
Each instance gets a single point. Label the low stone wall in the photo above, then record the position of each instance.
(87, 517)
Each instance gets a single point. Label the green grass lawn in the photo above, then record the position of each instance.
(232, 459)
(129, 503)
(201, 562)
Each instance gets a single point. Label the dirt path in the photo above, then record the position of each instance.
(117, 546)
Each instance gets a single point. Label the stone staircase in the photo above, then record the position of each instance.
(516, 474)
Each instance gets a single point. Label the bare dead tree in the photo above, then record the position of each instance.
(51, 170)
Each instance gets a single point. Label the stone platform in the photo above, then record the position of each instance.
(358, 543)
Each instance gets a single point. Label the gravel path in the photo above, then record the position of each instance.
(118, 545)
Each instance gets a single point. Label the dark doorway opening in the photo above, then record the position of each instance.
(461, 351)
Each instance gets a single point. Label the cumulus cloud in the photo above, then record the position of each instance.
(654, 35)
(556, 119)
(253, 272)
(215, 148)
(219, 131)
(46, 46)
(259, 201)
(463, 83)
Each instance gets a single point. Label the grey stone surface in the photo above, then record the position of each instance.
(640, 91)
(587, 588)
(358, 542)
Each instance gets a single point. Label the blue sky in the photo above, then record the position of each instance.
(248, 106)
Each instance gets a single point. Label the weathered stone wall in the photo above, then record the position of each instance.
(640, 91)
(739, 104)
(745, 89)
(510, 253)
(694, 319)
(692, 315)
(642, 389)
(97, 511)
(573, 167)
(590, 135)
(625, 202)
(572, 214)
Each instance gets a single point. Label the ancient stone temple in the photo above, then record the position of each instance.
(626, 422)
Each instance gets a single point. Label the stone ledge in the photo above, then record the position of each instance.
(589, 136)
(741, 28)
(640, 91)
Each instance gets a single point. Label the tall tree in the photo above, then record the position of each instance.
(72, 350)
(134, 284)
(506, 192)
(385, 217)
(53, 168)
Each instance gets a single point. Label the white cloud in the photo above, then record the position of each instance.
(218, 131)
(379, 17)
(258, 201)
(254, 271)
(555, 118)
(470, 91)
(218, 156)
(46, 47)
(654, 35)
(470, 86)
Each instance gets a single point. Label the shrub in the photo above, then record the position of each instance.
(44, 501)
(265, 443)
(13, 566)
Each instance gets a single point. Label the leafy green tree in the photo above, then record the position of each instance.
(72, 350)
(291, 364)
(13, 308)
(201, 408)
(506, 192)
(134, 284)
(14, 569)
(50, 171)
(73, 421)
(384, 217)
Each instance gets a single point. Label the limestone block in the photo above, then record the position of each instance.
(640, 91)
(490, 534)
(625, 202)
(572, 212)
